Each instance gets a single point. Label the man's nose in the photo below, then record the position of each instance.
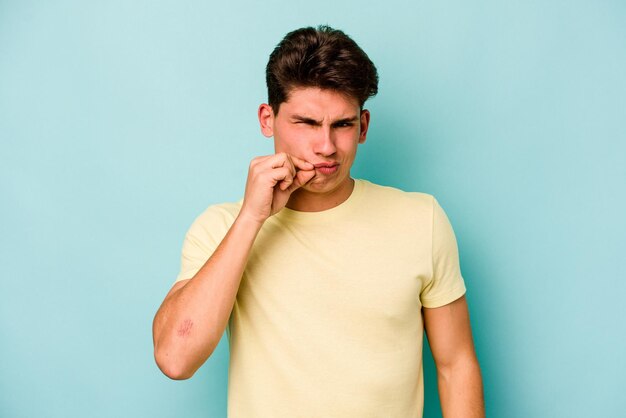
(325, 142)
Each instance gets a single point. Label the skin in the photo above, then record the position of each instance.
(318, 126)
(192, 318)
(313, 126)
(458, 374)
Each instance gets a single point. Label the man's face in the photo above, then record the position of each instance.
(318, 126)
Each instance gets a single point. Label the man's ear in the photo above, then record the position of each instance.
(365, 123)
(266, 119)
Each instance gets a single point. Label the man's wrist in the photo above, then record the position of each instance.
(249, 221)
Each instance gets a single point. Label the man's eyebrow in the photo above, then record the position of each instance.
(349, 119)
(305, 119)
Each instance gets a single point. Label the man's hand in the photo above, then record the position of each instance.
(271, 180)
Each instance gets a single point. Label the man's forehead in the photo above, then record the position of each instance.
(315, 103)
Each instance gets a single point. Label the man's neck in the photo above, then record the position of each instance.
(304, 201)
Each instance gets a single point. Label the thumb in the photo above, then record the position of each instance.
(302, 178)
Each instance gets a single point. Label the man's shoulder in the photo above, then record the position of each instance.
(219, 214)
(394, 195)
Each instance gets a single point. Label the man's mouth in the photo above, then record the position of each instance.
(326, 165)
(327, 168)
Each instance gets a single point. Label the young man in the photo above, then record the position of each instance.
(324, 283)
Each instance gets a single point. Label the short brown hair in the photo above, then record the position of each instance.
(319, 57)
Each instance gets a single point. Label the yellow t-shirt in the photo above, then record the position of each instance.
(327, 320)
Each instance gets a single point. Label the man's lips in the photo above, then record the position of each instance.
(327, 169)
(325, 165)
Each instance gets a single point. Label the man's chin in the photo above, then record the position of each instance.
(315, 183)
(318, 185)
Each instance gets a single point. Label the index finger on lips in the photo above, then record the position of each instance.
(302, 164)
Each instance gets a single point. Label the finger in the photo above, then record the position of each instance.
(302, 164)
(284, 185)
(279, 159)
(282, 159)
(281, 174)
(291, 165)
(302, 178)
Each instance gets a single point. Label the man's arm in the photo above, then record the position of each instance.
(458, 373)
(192, 318)
(190, 322)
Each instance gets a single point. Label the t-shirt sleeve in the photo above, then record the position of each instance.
(201, 240)
(446, 284)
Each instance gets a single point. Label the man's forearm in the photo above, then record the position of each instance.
(191, 321)
(461, 390)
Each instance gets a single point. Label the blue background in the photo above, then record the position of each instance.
(121, 121)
